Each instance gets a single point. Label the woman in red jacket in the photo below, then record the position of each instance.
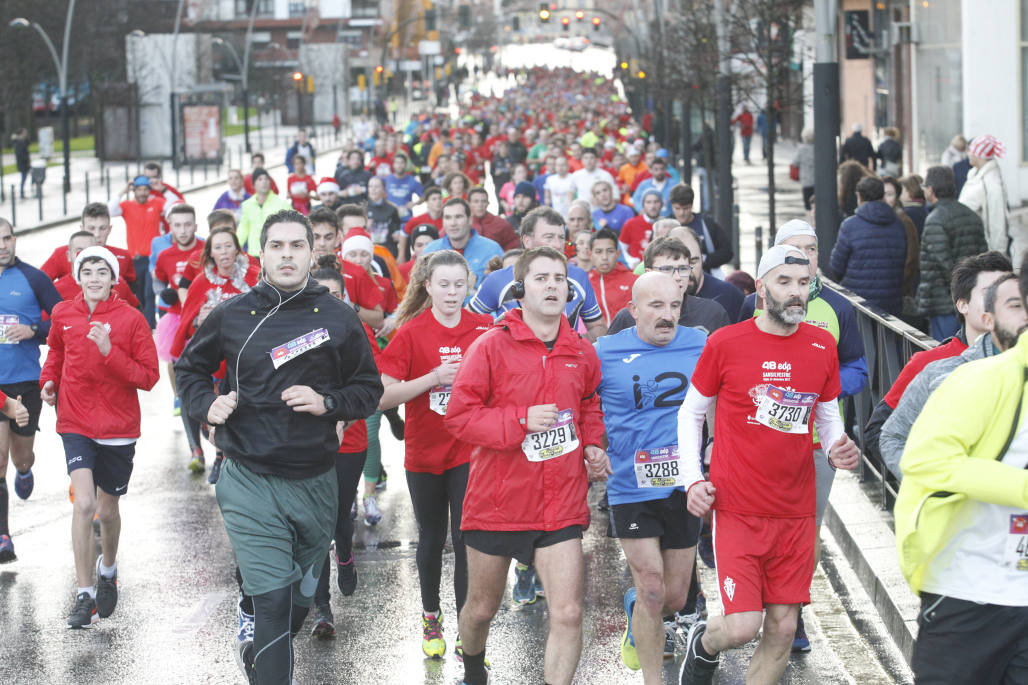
(101, 354)
(225, 271)
(525, 397)
(417, 368)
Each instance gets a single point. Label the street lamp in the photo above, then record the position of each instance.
(62, 77)
(243, 82)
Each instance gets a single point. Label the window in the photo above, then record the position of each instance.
(265, 8)
(1024, 79)
(939, 79)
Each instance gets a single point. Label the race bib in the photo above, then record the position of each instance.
(294, 348)
(553, 442)
(659, 468)
(379, 233)
(439, 399)
(5, 321)
(787, 411)
(1017, 542)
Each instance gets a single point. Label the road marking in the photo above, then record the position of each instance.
(199, 614)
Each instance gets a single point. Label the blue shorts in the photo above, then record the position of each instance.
(111, 464)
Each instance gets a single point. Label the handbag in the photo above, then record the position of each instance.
(794, 172)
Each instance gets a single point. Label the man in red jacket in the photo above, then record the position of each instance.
(525, 396)
(101, 353)
(612, 281)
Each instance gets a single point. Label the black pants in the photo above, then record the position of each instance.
(433, 498)
(278, 621)
(349, 466)
(965, 642)
(142, 288)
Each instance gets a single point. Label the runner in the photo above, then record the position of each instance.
(704, 284)
(418, 367)
(67, 287)
(257, 162)
(257, 209)
(301, 185)
(96, 219)
(101, 354)
(771, 375)
(360, 289)
(276, 422)
(421, 236)
(25, 294)
(525, 396)
(611, 281)
(232, 199)
(143, 217)
(609, 213)
(646, 371)
(637, 232)
(433, 197)
(476, 249)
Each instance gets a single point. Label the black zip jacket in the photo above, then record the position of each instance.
(263, 432)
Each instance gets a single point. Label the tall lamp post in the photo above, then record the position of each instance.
(243, 82)
(62, 76)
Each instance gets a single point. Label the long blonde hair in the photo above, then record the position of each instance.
(416, 300)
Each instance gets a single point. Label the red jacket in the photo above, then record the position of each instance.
(96, 395)
(613, 291)
(504, 372)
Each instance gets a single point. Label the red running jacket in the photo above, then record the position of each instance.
(613, 291)
(96, 395)
(504, 372)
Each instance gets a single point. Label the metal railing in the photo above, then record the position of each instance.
(888, 345)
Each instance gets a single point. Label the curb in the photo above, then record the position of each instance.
(868, 543)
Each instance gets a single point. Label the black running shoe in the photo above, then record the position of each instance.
(346, 575)
(324, 624)
(697, 670)
(215, 473)
(83, 614)
(106, 591)
(395, 423)
(244, 659)
(603, 504)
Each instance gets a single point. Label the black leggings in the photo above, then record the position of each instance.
(192, 431)
(349, 466)
(431, 496)
(276, 622)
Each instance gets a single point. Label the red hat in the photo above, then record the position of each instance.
(986, 147)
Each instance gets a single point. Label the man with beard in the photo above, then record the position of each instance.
(1003, 316)
(772, 376)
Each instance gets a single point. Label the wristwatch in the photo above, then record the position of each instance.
(330, 403)
(35, 328)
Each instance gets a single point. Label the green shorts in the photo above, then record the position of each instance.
(280, 528)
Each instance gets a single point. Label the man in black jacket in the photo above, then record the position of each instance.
(858, 148)
(297, 362)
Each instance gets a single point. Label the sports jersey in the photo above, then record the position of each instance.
(360, 288)
(494, 296)
(642, 387)
(401, 190)
(635, 235)
(478, 251)
(171, 265)
(615, 219)
(419, 346)
(300, 190)
(142, 223)
(759, 470)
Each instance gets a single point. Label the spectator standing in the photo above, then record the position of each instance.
(858, 148)
(21, 155)
(850, 174)
(893, 190)
(957, 151)
(804, 160)
(913, 201)
(890, 153)
(984, 191)
(744, 120)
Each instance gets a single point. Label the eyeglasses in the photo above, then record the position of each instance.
(683, 269)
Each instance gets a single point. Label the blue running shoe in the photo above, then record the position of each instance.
(23, 484)
(524, 589)
(629, 657)
(537, 584)
(7, 550)
(800, 643)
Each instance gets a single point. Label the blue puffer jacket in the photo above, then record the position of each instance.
(869, 255)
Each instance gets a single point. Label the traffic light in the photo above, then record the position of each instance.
(298, 80)
(580, 15)
(544, 12)
(641, 74)
(430, 20)
(565, 23)
(624, 66)
(378, 70)
(464, 17)
(596, 23)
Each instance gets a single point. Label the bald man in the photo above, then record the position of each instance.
(646, 370)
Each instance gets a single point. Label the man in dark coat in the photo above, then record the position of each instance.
(858, 148)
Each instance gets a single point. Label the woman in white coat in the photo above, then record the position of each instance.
(984, 191)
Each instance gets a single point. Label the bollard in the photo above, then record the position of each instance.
(205, 170)
(86, 186)
(64, 202)
(39, 200)
(14, 207)
(758, 232)
(178, 173)
(192, 172)
(108, 185)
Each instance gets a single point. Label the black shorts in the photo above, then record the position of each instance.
(111, 464)
(29, 393)
(518, 544)
(667, 519)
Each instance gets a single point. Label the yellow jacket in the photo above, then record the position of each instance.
(952, 455)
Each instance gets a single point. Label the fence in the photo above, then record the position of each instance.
(888, 345)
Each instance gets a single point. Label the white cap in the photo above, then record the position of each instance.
(775, 257)
(96, 251)
(793, 228)
(358, 242)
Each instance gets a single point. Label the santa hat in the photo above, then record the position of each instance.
(358, 239)
(986, 147)
(328, 185)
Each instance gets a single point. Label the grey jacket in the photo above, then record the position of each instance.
(897, 427)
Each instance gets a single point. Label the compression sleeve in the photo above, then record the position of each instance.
(828, 423)
(690, 434)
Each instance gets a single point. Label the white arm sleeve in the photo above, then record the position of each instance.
(690, 433)
(114, 207)
(829, 423)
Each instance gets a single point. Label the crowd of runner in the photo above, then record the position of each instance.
(583, 332)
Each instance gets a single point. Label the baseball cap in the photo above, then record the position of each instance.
(780, 255)
(793, 228)
(424, 229)
(141, 181)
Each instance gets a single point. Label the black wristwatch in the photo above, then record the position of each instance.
(35, 328)
(330, 403)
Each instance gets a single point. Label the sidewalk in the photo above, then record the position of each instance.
(94, 181)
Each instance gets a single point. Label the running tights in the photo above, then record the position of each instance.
(3, 507)
(434, 497)
(373, 465)
(348, 473)
(192, 431)
(276, 621)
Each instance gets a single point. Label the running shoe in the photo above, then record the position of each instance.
(324, 623)
(524, 590)
(432, 642)
(244, 633)
(382, 480)
(537, 584)
(353, 511)
(604, 503)
(96, 525)
(106, 591)
(629, 657)
(686, 621)
(215, 473)
(176, 407)
(800, 643)
(7, 554)
(701, 605)
(458, 652)
(670, 631)
(372, 515)
(396, 425)
(83, 614)
(197, 464)
(244, 659)
(696, 670)
(346, 575)
(23, 484)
